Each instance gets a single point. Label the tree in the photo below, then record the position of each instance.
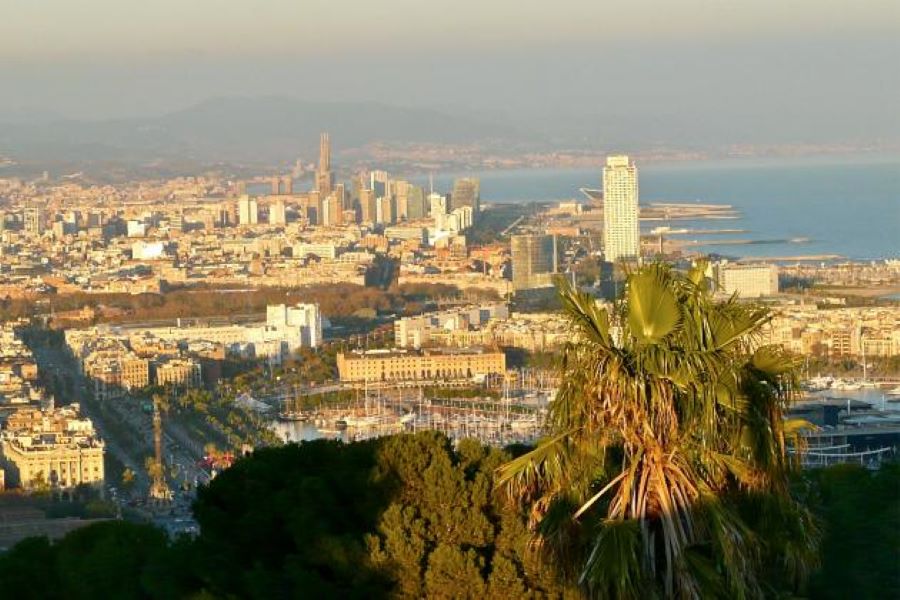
(668, 447)
(861, 545)
(39, 483)
(128, 477)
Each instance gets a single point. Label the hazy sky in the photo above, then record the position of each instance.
(792, 67)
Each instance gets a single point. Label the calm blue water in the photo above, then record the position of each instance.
(846, 208)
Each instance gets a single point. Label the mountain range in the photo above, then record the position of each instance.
(242, 130)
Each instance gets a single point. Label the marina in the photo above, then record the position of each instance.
(855, 422)
(492, 421)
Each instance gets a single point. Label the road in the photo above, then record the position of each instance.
(127, 430)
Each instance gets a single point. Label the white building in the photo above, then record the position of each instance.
(437, 205)
(141, 250)
(415, 332)
(277, 213)
(299, 325)
(136, 228)
(621, 234)
(286, 329)
(322, 250)
(748, 281)
(248, 212)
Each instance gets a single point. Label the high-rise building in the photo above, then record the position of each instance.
(299, 325)
(400, 191)
(248, 213)
(534, 261)
(437, 205)
(340, 192)
(621, 234)
(332, 213)
(466, 193)
(324, 176)
(415, 203)
(287, 185)
(378, 182)
(384, 210)
(33, 220)
(367, 207)
(277, 213)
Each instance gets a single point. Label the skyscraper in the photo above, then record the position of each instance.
(367, 206)
(332, 213)
(621, 235)
(466, 193)
(437, 205)
(399, 189)
(378, 182)
(415, 203)
(33, 220)
(248, 213)
(324, 176)
(533, 261)
(277, 213)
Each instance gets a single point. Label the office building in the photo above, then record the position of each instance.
(747, 280)
(400, 191)
(324, 176)
(437, 205)
(300, 326)
(367, 206)
(277, 213)
(464, 364)
(418, 331)
(248, 212)
(332, 213)
(415, 203)
(621, 233)
(56, 448)
(179, 372)
(378, 182)
(534, 261)
(33, 220)
(384, 210)
(466, 193)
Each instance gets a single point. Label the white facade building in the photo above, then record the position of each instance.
(621, 233)
(748, 281)
(248, 211)
(141, 250)
(277, 213)
(299, 325)
(437, 205)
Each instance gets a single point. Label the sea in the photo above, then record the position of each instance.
(789, 207)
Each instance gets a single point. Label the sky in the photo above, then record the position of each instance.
(795, 70)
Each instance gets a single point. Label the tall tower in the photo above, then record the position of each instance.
(534, 261)
(621, 233)
(324, 176)
(324, 152)
(466, 193)
(159, 489)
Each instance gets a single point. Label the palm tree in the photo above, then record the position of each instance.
(666, 470)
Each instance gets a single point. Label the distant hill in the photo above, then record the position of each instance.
(261, 129)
